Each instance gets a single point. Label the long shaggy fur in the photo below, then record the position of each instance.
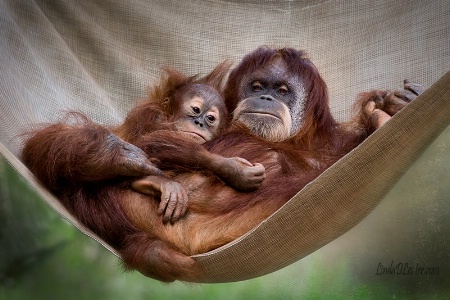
(71, 161)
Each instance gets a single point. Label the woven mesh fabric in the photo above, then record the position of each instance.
(338, 199)
(100, 56)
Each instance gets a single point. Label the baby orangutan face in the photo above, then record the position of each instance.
(201, 113)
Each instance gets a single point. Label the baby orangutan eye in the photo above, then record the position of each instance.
(210, 119)
(196, 110)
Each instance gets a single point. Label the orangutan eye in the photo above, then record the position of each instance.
(211, 119)
(257, 86)
(283, 90)
(196, 110)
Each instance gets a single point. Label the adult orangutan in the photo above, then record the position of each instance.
(281, 119)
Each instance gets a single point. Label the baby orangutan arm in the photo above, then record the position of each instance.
(175, 153)
(61, 154)
(237, 172)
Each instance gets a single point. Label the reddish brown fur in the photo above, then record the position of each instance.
(217, 213)
(149, 116)
(72, 160)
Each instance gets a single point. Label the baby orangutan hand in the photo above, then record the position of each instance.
(174, 199)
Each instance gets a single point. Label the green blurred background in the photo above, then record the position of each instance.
(44, 257)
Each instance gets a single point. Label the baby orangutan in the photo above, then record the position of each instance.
(194, 112)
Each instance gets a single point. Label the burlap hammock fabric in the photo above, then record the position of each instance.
(100, 56)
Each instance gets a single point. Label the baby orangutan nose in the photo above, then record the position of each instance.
(199, 123)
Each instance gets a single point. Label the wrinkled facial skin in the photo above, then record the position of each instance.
(200, 113)
(273, 101)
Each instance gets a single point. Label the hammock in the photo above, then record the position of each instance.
(100, 57)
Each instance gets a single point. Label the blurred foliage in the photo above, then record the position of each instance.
(44, 257)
